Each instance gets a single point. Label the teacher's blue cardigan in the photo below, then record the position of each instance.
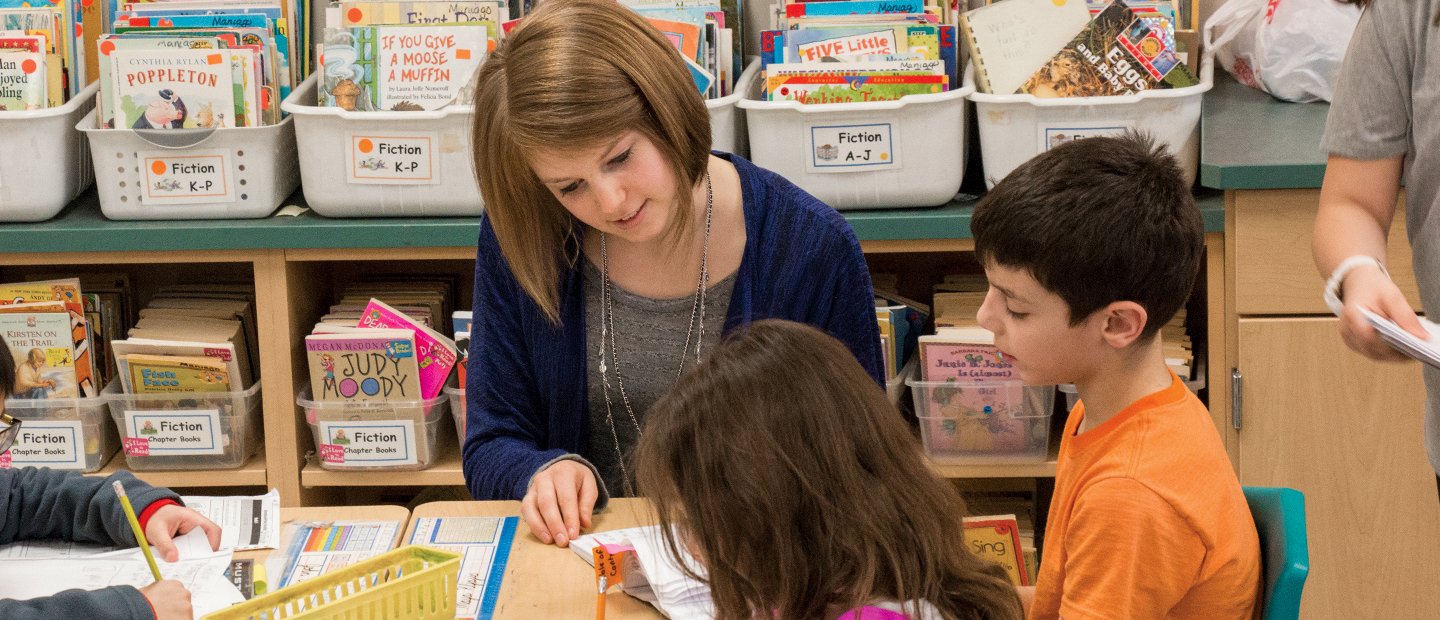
(526, 392)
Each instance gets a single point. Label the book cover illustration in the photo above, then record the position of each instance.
(434, 352)
(66, 291)
(169, 374)
(161, 88)
(357, 367)
(43, 353)
(997, 419)
(1116, 54)
(107, 46)
(426, 67)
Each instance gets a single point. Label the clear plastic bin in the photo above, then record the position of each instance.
(48, 162)
(234, 172)
(1015, 128)
(457, 411)
(925, 132)
(984, 423)
(62, 433)
(895, 388)
(186, 430)
(384, 436)
(727, 122)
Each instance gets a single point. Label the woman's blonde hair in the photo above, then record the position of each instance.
(779, 464)
(575, 74)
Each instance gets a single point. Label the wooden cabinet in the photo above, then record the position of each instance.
(1315, 416)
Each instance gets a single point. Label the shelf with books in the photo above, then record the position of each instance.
(445, 472)
(252, 473)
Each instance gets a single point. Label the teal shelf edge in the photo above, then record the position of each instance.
(1250, 140)
(82, 228)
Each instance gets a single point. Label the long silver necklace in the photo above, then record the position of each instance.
(607, 335)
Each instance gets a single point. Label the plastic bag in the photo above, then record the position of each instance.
(1291, 49)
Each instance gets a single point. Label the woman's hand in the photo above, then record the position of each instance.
(174, 520)
(560, 502)
(1369, 288)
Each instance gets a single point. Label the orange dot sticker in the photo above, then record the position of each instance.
(355, 15)
(462, 54)
(884, 157)
(158, 167)
(366, 145)
(106, 47)
(28, 66)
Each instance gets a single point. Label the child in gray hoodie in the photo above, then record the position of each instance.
(39, 503)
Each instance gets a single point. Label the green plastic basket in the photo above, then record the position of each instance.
(412, 582)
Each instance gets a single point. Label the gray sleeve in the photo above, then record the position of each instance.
(45, 503)
(117, 603)
(602, 495)
(1370, 115)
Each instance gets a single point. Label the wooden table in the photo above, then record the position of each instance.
(545, 581)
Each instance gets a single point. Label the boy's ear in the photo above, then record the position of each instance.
(1123, 323)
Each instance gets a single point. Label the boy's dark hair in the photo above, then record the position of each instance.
(1096, 221)
(7, 370)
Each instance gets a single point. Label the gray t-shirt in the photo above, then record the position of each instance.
(1382, 108)
(648, 336)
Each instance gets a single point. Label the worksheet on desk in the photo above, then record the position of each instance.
(246, 522)
(203, 577)
(317, 548)
(484, 545)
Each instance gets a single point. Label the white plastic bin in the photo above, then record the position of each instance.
(191, 430)
(727, 122)
(390, 436)
(457, 410)
(61, 433)
(984, 423)
(341, 159)
(915, 147)
(1015, 128)
(192, 174)
(45, 163)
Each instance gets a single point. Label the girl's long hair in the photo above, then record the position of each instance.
(573, 75)
(797, 484)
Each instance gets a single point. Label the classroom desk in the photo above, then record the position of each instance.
(545, 581)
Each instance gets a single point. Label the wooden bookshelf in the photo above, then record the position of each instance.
(252, 473)
(445, 472)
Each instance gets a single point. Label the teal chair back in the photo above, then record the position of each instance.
(1279, 515)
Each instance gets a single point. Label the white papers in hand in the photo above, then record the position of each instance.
(245, 522)
(203, 576)
(1427, 350)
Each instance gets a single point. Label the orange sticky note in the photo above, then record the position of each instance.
(214, 59)
(462, 54)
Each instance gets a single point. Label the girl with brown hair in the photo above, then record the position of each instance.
(614, 251)
(803, 492)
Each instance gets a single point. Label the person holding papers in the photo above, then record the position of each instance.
(804, 494)
(614, 250)
(1377, 132)
(40, 503)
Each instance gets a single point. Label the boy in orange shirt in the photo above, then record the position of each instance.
(1090, 248)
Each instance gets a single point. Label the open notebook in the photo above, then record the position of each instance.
(650, 573)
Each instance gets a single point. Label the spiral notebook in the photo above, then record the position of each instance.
(1009, 41)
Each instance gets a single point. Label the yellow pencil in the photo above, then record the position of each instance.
(135, 525)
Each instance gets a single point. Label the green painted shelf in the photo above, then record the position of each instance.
(1250, 140)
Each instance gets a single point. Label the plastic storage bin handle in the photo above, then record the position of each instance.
(173, 139)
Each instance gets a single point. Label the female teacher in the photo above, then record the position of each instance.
(615, 250)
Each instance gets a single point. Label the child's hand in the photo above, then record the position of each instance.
(560, 501)
(169, 599)
(1366, 287)
(173, 520)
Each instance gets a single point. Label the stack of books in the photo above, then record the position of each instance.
(704, 32)
(849, 51)
(191, 338)
(42, 52)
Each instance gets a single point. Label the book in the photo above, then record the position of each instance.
(169, 374)
(22, 80)
(997, 539)
(1009, 41)
(1116, 54)
(237, 376)
(66, 291)
(435, 354)
(965, 355)
(821, 88)
(158, 88)
(648, 571)
(363, 365)
(43, 352)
